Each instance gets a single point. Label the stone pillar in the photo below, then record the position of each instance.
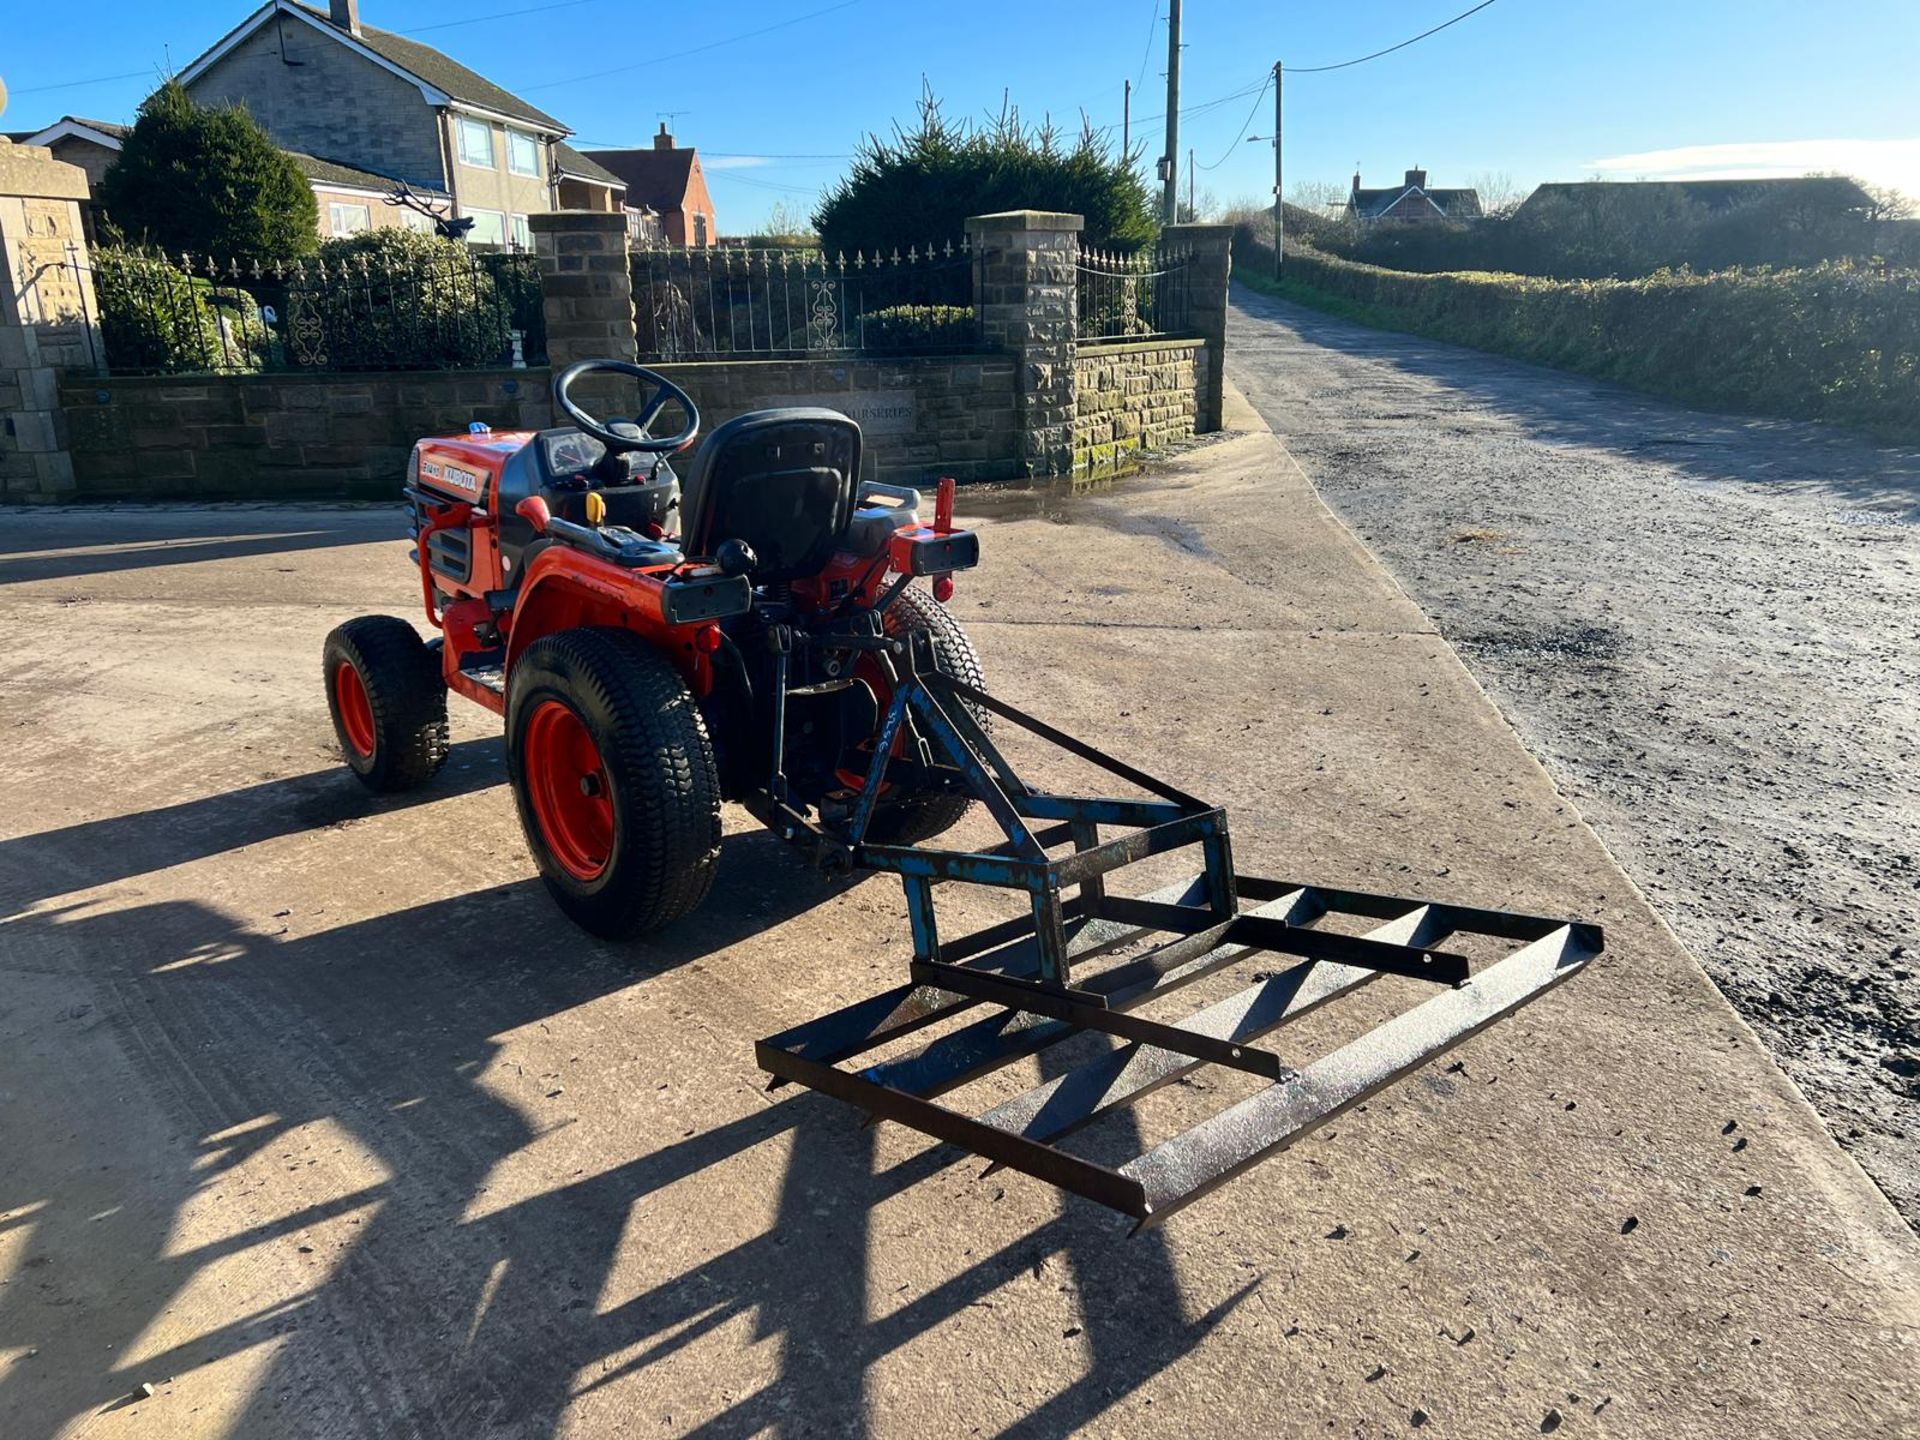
(1212, 250)
(587, 284)
(1023, 297)
(48, 317)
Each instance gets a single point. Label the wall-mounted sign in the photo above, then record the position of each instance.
(877, 412)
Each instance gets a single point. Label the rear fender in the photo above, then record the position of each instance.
(564, 589)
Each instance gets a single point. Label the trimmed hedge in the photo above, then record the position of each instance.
(918, 327)
(1836, 341)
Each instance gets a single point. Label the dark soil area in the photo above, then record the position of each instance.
(1708, 630)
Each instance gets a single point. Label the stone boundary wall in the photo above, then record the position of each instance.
(338, 436)
(919, 419)
(271, 437)
(1132, 396)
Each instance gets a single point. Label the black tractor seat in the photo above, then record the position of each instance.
(782, 481)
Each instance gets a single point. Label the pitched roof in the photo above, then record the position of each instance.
(423, 63)
(109, 131)
(654, 178)
(569, 161)
(332, 172)
(1456, 204)
(442, 72)
(1835, 190)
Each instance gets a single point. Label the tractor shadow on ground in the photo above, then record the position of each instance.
(1849, 469)
(118, 542)
(444, 1314)
(98, 852)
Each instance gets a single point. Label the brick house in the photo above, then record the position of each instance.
(361, 110)
(1411, 202)
(667, 181)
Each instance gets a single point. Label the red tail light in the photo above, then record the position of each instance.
(943, 589)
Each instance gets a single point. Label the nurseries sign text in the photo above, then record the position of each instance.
(877, 412)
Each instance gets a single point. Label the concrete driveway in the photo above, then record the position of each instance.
(318, 1121)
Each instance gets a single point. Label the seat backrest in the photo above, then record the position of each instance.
(780, 480)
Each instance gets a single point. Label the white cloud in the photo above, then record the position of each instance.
(1879, 162)
(734, 162)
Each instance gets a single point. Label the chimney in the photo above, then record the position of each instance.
(1356, 180)
(345, 14)
(662, 141)
(1417, 177)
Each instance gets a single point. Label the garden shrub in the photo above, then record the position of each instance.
(156, 318)
(918, 327)
(398, 300)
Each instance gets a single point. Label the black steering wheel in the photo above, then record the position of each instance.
(664, 393)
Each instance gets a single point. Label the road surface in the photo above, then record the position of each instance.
(1706, 627)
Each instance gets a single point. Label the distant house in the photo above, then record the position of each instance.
(362, 111)
(1833, 193)
(667, 181)
(93, 145)
(1410, 203)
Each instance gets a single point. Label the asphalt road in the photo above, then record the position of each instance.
(1706, 627)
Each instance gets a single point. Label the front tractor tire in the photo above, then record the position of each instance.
(615, 780)
(388, 701)
(910, 819)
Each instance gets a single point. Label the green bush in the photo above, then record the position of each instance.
(1836, 341)
(156, 318)
(918, 327)
(918, 188)
(209, 182)
(397, 300)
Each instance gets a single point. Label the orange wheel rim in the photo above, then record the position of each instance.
(568, 788)
(356, 710)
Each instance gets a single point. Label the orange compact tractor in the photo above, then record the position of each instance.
(767, 628)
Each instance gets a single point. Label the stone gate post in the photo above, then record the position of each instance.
(48, 317)
(587, 285)
(1024, 299)
(1212, 264)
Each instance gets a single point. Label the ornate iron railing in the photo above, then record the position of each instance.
(692, 304)
(1140, 296)
(442, 308)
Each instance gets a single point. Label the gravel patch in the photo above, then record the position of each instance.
(1706, 627)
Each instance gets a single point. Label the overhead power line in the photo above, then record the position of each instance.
(1245, 126)
(1345, 64)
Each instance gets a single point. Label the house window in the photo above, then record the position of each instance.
(413, 220)
(476, 143)
(344, 219)
(523, 153)
(699, 229)
(489, 228)
(522, 234)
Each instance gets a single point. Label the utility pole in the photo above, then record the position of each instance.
(1279, 214)
(1126, 121)
(1170, 192)
(1193, 212)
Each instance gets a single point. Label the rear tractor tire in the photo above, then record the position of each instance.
(615, 781)
(914, 818)
(388, 702)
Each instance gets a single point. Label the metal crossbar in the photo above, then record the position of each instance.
(1055, 976)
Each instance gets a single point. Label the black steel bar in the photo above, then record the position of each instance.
(968, 760)
(1068, 1102)
(1088, 1010)
(1137, 845)
(1181, 1170)
(1263, 933)
(1092, 810)
(1080, 748)
(1500, 924)
(1056, 1167)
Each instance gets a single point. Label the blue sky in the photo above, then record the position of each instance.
(1532, 89)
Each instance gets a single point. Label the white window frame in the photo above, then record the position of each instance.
(520, 232)
(468, 127)
(514, 137)
(335, 209)
(499, 237)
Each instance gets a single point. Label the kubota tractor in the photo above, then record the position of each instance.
(766, 627)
